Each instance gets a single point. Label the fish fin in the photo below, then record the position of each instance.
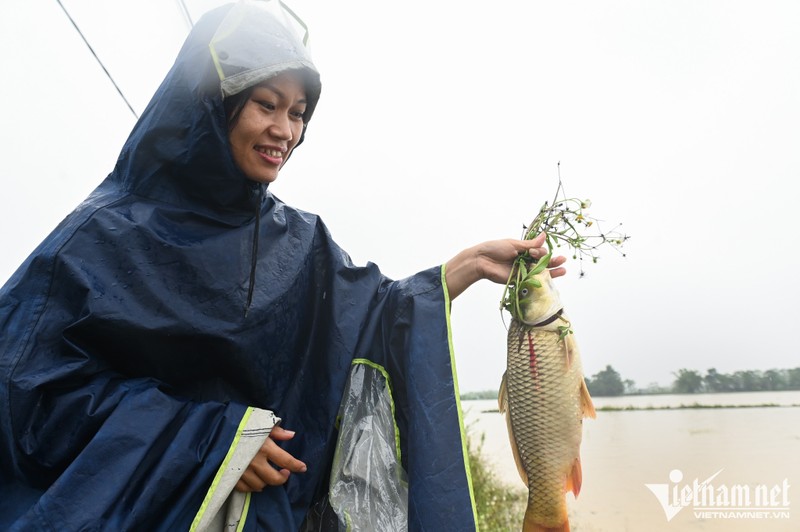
(502, 396)
(587, 406)
(528, 524)
(502, 403)
(575, 478)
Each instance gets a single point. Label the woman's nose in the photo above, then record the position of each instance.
(281, 128)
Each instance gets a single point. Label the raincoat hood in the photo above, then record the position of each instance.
(178, 151)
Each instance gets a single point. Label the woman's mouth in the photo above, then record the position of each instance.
(270, 155)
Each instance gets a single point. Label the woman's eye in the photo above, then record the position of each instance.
(297, 114)
(266, 105)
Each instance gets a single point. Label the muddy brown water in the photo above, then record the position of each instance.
(754, 452)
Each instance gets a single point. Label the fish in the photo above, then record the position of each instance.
(544, 397)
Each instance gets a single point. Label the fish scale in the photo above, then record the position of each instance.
(546, 401)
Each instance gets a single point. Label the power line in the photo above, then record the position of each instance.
(98, 59)
(185, 11)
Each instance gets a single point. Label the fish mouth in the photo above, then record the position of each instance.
(546, 321)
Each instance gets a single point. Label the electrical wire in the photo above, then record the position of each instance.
(185, 11)
(98, 59)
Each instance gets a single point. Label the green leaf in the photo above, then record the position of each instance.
(541, 265)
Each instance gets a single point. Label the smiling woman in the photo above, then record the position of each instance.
(185, 351)
(266, 124)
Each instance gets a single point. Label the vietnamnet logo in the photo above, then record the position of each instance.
(720, 501)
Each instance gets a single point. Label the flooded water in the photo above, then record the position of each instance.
(753, 451)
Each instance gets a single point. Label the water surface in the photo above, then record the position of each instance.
(624, 450)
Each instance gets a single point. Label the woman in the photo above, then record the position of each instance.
(149, 342)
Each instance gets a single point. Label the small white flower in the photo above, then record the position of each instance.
(585, 204)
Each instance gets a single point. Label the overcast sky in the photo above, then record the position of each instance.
(440, 126)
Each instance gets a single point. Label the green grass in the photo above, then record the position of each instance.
(500, 508)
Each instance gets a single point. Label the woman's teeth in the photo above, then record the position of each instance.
(271, 153)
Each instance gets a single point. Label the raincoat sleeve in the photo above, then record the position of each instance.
(83, 445)
(401, 460)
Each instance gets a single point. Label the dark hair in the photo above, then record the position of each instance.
(234, 104)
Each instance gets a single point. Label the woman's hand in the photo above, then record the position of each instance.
(261, 471)
(493, 260)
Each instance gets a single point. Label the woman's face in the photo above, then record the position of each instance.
(269, 127)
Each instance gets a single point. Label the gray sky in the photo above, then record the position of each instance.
(441, 125)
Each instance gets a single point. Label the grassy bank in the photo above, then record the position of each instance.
(499, 507)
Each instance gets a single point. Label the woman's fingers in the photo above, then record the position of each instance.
(557, 272)
(259, 475)
(538, 252)
(272, 465)
(281, 434)
(263, 472)
(281, 458)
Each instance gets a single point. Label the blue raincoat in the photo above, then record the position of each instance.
(179, 296)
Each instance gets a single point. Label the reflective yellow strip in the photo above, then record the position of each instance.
(217, 64)
(231, 24)
(385, 374)
(243, 518)
(464, 449)
(221, 471)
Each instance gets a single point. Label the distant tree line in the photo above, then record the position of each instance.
(690, 381)
(485, 394)
(609, 382)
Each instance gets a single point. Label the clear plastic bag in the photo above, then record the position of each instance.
(368, 487)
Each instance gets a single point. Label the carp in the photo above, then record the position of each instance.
(544, 398)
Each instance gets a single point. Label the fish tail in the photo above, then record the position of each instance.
(528, 525)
